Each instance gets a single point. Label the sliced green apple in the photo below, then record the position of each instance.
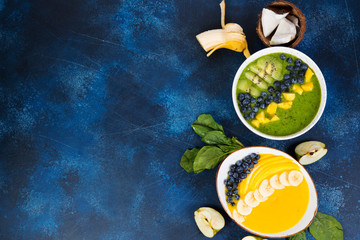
(209, 221)
(310, 152)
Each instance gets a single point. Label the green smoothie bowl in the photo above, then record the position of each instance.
(279, 93)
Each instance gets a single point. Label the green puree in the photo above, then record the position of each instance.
(302, 112)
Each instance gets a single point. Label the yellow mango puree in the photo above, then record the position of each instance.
(285, 207)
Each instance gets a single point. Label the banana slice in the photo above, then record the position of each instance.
(295, 178)
(251, 200)
(209, 221)
(275, 182)
(265, 189)
(253, 238)
(243, 208)
(310, 152)
(259, 197)
(237, 217)
(284, 179)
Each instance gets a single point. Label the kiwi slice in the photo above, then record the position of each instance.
(262, 73)
(259, 82)
(272, 66)
(246, 86)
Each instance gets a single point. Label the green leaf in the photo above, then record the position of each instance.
(207, 158)
(229, 148)
(299, 236)
(187, 160)
(235, 141)
(326, 227)
(205, 123)
(216, 137)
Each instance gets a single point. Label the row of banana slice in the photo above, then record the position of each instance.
(266, 189)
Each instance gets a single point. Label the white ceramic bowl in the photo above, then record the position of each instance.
(305, 59)
(240, 154)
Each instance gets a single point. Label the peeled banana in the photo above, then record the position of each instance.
(231, 36)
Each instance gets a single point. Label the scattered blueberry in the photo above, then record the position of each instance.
(277, 99)
(286, 76)
(255, 109)
(255, 161)
(298, 62)
(267, 101)
(246, 116)
(304, 66)
(246, 101)
(277, 93)
(251, 165)
(228, 187)
(262, 106)
(247, 171)
(282, 56)
(237, 180)
(247, 95)
(243, 109)
(238, 163)
(237, 197)
(277, 84)
(257, 157)
(234, 186)
(257, 104)
(229, 200)
(252, 100)
(300, 80)
(248, 108)
(239, 169)
(243, 175)
(247, 158)
(229, 193)
(252, 115)
(289, 60)
(271, 97)
(241, 96)
(232, 167)
(232, 204)
(297, 68)
(231, 179)
(230, 173)
(301, 73)
(244, 165)
(263, 94)
(289, 67)
(271, 89)
(235, 191)
(293, 80)
(253, 155)
(259, 99)
(292, 74)
(283, 87)
(235, 175)
(287, 83)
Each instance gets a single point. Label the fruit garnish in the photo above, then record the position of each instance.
(275, 182)
(307, 86)
(231, 36)
(256, 123)
(271, 109)
(251, 200)
(274, 118)
(253, 238)
(265, 189)
(284, 179)
(297, 88)
(259, 197)
(270, 20)
(209, 221)
(285, 32)
(237, 217)
(289, 96)
(285, 105)
(310, 152)
(295, 178)
(308, 75)
(243, 208)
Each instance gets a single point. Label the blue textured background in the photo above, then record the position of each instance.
(96, 99)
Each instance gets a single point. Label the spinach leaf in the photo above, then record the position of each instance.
(299, 236)
(216, 137)
(187, 160)
(229, 148)
(326, 227)
(207, 158)
(205, 123)
(235, 141)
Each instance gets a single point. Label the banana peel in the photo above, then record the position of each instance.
(231, 36)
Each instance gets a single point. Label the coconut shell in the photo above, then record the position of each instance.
(280, 7)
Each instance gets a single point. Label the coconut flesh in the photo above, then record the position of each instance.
(284, 24)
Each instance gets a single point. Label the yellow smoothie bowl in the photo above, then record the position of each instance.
(277, 199)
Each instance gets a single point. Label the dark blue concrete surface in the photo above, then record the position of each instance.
(96, 99)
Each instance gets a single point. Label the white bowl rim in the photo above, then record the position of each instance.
(304, 58)
(309, 213)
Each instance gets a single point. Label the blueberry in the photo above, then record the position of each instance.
(243, 175)
(282, 56)
(234, 186)
(226, 182)
(289, 67)
(255, 109)
(277, 99)
(239, 169)
(277, 84)
(235, 191)
(235, 175)
(252, 100)
(296, 68)
(237, 197)
(293, 80)
(300, 80)
(246, 101)
(237, 180)
(228, 187)
(289, 60)
(271, 89)
(267, 101)
(262, 106)
(230, 173)
(257, 104)
(238, 163)
(247, 158)
(232, 204)
(247, 171)
(283, 87)
(292, 74)
(298, 62)
(232, 167)
(301, 73)
(277, 93)
(248, 108)
(287, 83)
(257, 157)
(247, 95)
(271, 97)
(304, 66)
(286, 76)
(229, 193)
(263, 94)
(255, 161)
(244, 165)
(253, 155)
(229, 200)
(251, 165)
(243, 109)
(246, 116)
(231, 180)
(241, 96)
(259, 99)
